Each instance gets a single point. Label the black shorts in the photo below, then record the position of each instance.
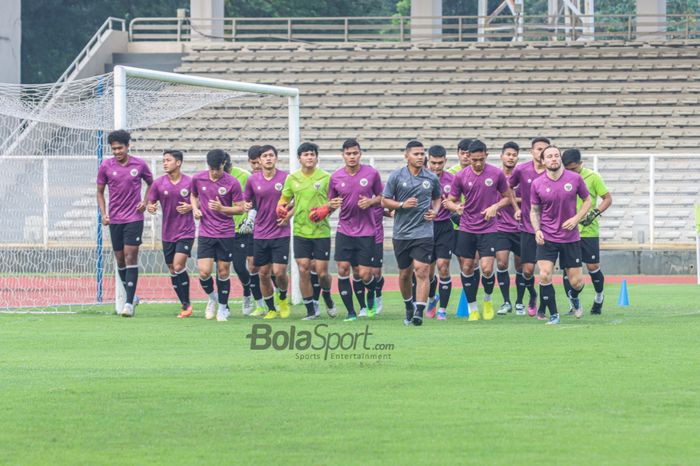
(181, 246)
(443, 240)
(590, 250)
(468, 244)
(220, 249)
(569, 254)
(125, 233)
(312, 248)
(528, 248)
(271, 251)
(357, 250)
(378, 258)
(507, 241)
(408, 250)
(245, 243)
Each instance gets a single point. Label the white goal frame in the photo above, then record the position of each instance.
(120, 122)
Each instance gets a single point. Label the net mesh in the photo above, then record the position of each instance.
(50, 143)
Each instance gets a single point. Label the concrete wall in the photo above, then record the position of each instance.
(423, 28)
(111, 42)
(10, 41)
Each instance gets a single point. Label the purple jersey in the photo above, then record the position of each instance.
(353, 220)
(480, 192)
(176, 226)
(523, 175)
(378, 215)
(446, 180)
(228, 190)
(506, 216)
(265, 194)
(557, 201)
(124, 185)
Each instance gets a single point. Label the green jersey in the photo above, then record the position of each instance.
(597, 188)
(308, 192)
(242, 177)
(455, 169)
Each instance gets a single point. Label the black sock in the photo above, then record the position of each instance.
(548, 297)
(567, 285)
(477, 274)
(255, 286)
(598, 280)
(408, 305)
(359, 289)
(315, 285)
(574, 292)
(223, 288)
(122, 276)
(283, 294)
(271, 303)
(520, 286)
(420, 307)
(413, 287)
(327, 298)
(207, 285)
(369, 286)
(132, 278)
(530, 285)
(309, 303)
(174, 280)
(241, 269)
(184, 285)
(469, 286)
(445, 291)
(504, 284)
(433, 287)
(379, 286)
(345, 289)
(489, 283)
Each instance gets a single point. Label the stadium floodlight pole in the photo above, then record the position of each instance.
(120, 122)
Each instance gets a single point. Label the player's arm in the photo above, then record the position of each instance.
(535, 211)
(605, 203)
(452, 204)
(196, 211)
(101, 204)
(572, 222)
(148, 178)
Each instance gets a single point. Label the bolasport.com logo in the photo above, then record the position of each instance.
(319, 343)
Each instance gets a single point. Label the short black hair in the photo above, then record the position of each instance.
(348, 143)
(464, 144)
(413, 143)
(177, 154)
(307, 147)
(511, 145)
(119, 135)
(254, 152)
(227, 163)
(216, 158)
(571, 156)
(549, 147)
(477, 146)
(437, 151)
(540, 139)
(267, 147)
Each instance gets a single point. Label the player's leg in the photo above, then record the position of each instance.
(305, 285)
(240, 266)
(488, 274)
(206, 251)
(466, 252)
(519, 285)
(344, 255)
(255, 289)
(280, 259)
(268, 291)
(376, 295)
(421, 253)
(431, 310)
(405, 265)
(315, 286)
(180, 277)
(443, 271)
(359, 290)
(570, 261)
(590, 253)
(116, 235)
(324, 279)
(132, 240)
(503, 278)
(528, 253)
(223, 283)
(547, 294)
(364, 255)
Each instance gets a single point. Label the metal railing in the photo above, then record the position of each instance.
(407, 29)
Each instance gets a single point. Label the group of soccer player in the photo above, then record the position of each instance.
(541, 211)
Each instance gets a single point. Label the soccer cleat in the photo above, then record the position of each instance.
(542, 316)
(128, 310)
(553, 320)
(284, 308)
(310, 317)
(222, 315)
(407, 322)
(432, 305)
(258, 312)
(504, 309)
(520, 310)
(332, 311)
(576, 303)
(597, 309)
(532, 305)
(248, 305)
(488, 310)
(474, 315)
(417, 317)
(317, 308)
(210, 311)
(352, 317)
(378, 304)
(430, 314)
(271, 315)
(186, 312)
(363, 312)
(371, 312)
(441, 315)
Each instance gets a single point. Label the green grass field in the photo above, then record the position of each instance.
(94, 388)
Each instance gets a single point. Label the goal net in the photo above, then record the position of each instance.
(54, 253)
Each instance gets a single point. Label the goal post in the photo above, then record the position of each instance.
(121, 73)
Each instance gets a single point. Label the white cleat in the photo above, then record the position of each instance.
(248, 305)
(222, 314)
(520, 310)
(362, 313)
(210, 311)
(317, 308)
(128, 310)
(332, 311)
(378, 302)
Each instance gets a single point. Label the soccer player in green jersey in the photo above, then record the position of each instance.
(462, 155)
(308, 187)
(588, 227)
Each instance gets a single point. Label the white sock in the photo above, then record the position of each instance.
(473, 307)
(213, 296)
(222, 308)
(598, 298)
(487, 298)
(260, 303)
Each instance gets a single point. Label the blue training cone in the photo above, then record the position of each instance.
(623, 299)
(463, 308)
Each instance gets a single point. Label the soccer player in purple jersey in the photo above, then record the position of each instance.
(271, 232)
(486, 191)
(172, 191)
(555, 220)
(444, 234)
(122, 175)
(522, 177)
(216, 197)
(509, 238)
(354, 190)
